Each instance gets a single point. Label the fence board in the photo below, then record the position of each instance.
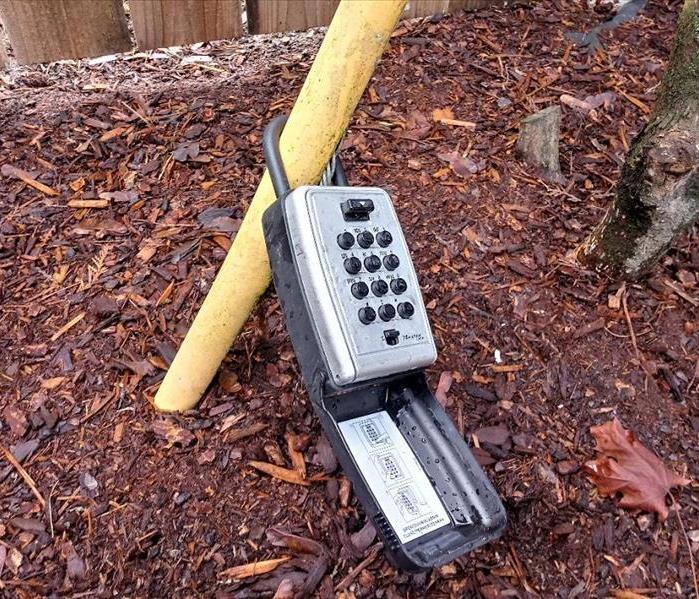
(424, 8)
(46, 30)
(454, 5)
(162, 23)
(270, 16)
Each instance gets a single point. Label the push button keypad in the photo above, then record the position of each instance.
(383, 266)
(355, 270)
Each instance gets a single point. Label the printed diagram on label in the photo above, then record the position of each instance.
(389, 467)
(375, 436)
(394, 475)
(409, 502)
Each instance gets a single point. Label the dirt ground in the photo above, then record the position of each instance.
(166, 148)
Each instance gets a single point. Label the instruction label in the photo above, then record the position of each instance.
(394, 475)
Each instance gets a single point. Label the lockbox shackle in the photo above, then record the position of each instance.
(275, 165)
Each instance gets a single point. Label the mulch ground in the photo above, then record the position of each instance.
(149, 163)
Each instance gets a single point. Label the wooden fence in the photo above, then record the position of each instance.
(47, 30)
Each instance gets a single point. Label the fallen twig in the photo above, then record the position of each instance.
(88, 204)
(24, 474)
(676, 505)
(628, 322)
(635, 101)
(682, 294)
(66, 327)
(347, 580)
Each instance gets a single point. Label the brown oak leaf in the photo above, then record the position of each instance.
(626, 466)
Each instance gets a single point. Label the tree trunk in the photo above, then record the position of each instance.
(657, 197)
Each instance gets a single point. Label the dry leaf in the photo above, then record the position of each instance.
(229, 381)
(495, 435)
(16, 420)
(575, 103)
(417, 120)
(614, 299)
(626, 466)
(417, 126)
(52, 383)
(172, 433)
(61, 273)
(186, 151)
(78, 184)
(301, 545)
(13, 560)
(140, 367)
(206, 457)
(253, 569)
(445, 381)
(75, 566)
(296, 543)
(439, 114)
(461, 165)
(295, 444)
(324, 455)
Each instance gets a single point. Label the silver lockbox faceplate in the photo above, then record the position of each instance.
(356, 350)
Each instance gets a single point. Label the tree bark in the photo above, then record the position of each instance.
(657, 197)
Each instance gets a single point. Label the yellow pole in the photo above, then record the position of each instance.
(345, 62)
